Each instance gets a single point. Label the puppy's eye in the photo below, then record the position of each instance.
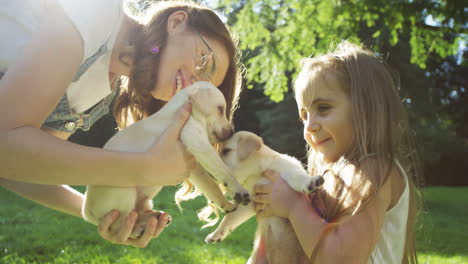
(221, 110)
(225, 151)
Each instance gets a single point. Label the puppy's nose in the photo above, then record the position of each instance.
(226, 133)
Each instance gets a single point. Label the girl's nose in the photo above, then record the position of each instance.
(312, 126)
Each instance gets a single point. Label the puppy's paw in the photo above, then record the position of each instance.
(214, 237)
(313, 184)
(238, 193)
(242, 198)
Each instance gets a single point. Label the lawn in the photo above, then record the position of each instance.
(30, 233)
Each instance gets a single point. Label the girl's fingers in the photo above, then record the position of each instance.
(272, 175)
(262, 198)
(127, 227)
(259, 207)
(263, 188)
(266, 212)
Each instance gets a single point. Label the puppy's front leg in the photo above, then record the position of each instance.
(210, 189)
(230, 222)
(195, 138)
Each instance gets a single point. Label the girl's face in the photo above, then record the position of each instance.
(326, 113)
(188, 57)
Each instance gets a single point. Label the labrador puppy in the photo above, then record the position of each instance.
(206, 126)
(247, 156)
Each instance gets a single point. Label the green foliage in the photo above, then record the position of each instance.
(31, 234)
(278, 33)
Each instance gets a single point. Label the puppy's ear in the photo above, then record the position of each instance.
(247, 145)
(199, 97)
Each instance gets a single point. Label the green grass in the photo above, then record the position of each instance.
(442, 235)
(30, 233)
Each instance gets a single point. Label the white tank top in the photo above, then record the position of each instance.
(97, 21)
(390, 247)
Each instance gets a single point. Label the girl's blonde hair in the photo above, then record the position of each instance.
(135, 100)
(381, 135)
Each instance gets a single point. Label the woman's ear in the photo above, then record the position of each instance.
(177, 22)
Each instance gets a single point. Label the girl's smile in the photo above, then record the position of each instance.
(325, 110)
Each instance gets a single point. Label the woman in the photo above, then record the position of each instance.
(61, 66)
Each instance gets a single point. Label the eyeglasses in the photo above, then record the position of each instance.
(201, 67)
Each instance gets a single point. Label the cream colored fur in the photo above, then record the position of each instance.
(247, 156)
(207, 125)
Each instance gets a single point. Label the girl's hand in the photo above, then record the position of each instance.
(275, 198)
(168, 156)
(154, 227)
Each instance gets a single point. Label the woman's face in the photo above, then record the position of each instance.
(188, 57)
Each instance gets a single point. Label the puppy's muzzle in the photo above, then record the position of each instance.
(225, 133)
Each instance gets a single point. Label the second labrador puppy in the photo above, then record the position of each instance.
(247, 156)
(207, 125)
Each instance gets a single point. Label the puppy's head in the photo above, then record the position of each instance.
(209, 107)
(241, 149)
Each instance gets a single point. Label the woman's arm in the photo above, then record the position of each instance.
(67, 200)
(58, 197)
(29, 91)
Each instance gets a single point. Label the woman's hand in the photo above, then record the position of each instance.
(154, 227)
(168, 156)
(275, 198)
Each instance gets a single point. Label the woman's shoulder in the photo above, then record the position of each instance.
(96, 21)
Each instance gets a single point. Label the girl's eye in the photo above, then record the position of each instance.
(323, 108)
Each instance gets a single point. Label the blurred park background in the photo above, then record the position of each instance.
(424, 41)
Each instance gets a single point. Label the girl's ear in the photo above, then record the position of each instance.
(177, 22)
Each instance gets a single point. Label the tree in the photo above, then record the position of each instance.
(280, 32)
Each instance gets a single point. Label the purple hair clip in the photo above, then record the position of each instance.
(155, 50)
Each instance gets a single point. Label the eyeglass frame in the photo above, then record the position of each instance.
(199, 68)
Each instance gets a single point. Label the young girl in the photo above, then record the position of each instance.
(60, 65)
(358, 138)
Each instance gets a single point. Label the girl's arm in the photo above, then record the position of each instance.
(352, 241)
(29, 91)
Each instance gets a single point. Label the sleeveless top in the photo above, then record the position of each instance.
(391, 244)
(88, 96)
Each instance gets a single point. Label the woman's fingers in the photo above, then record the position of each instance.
(106, 222)
(127, 227)
(179, 121)
(147, 235)
(161, 224)
(153, 228)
